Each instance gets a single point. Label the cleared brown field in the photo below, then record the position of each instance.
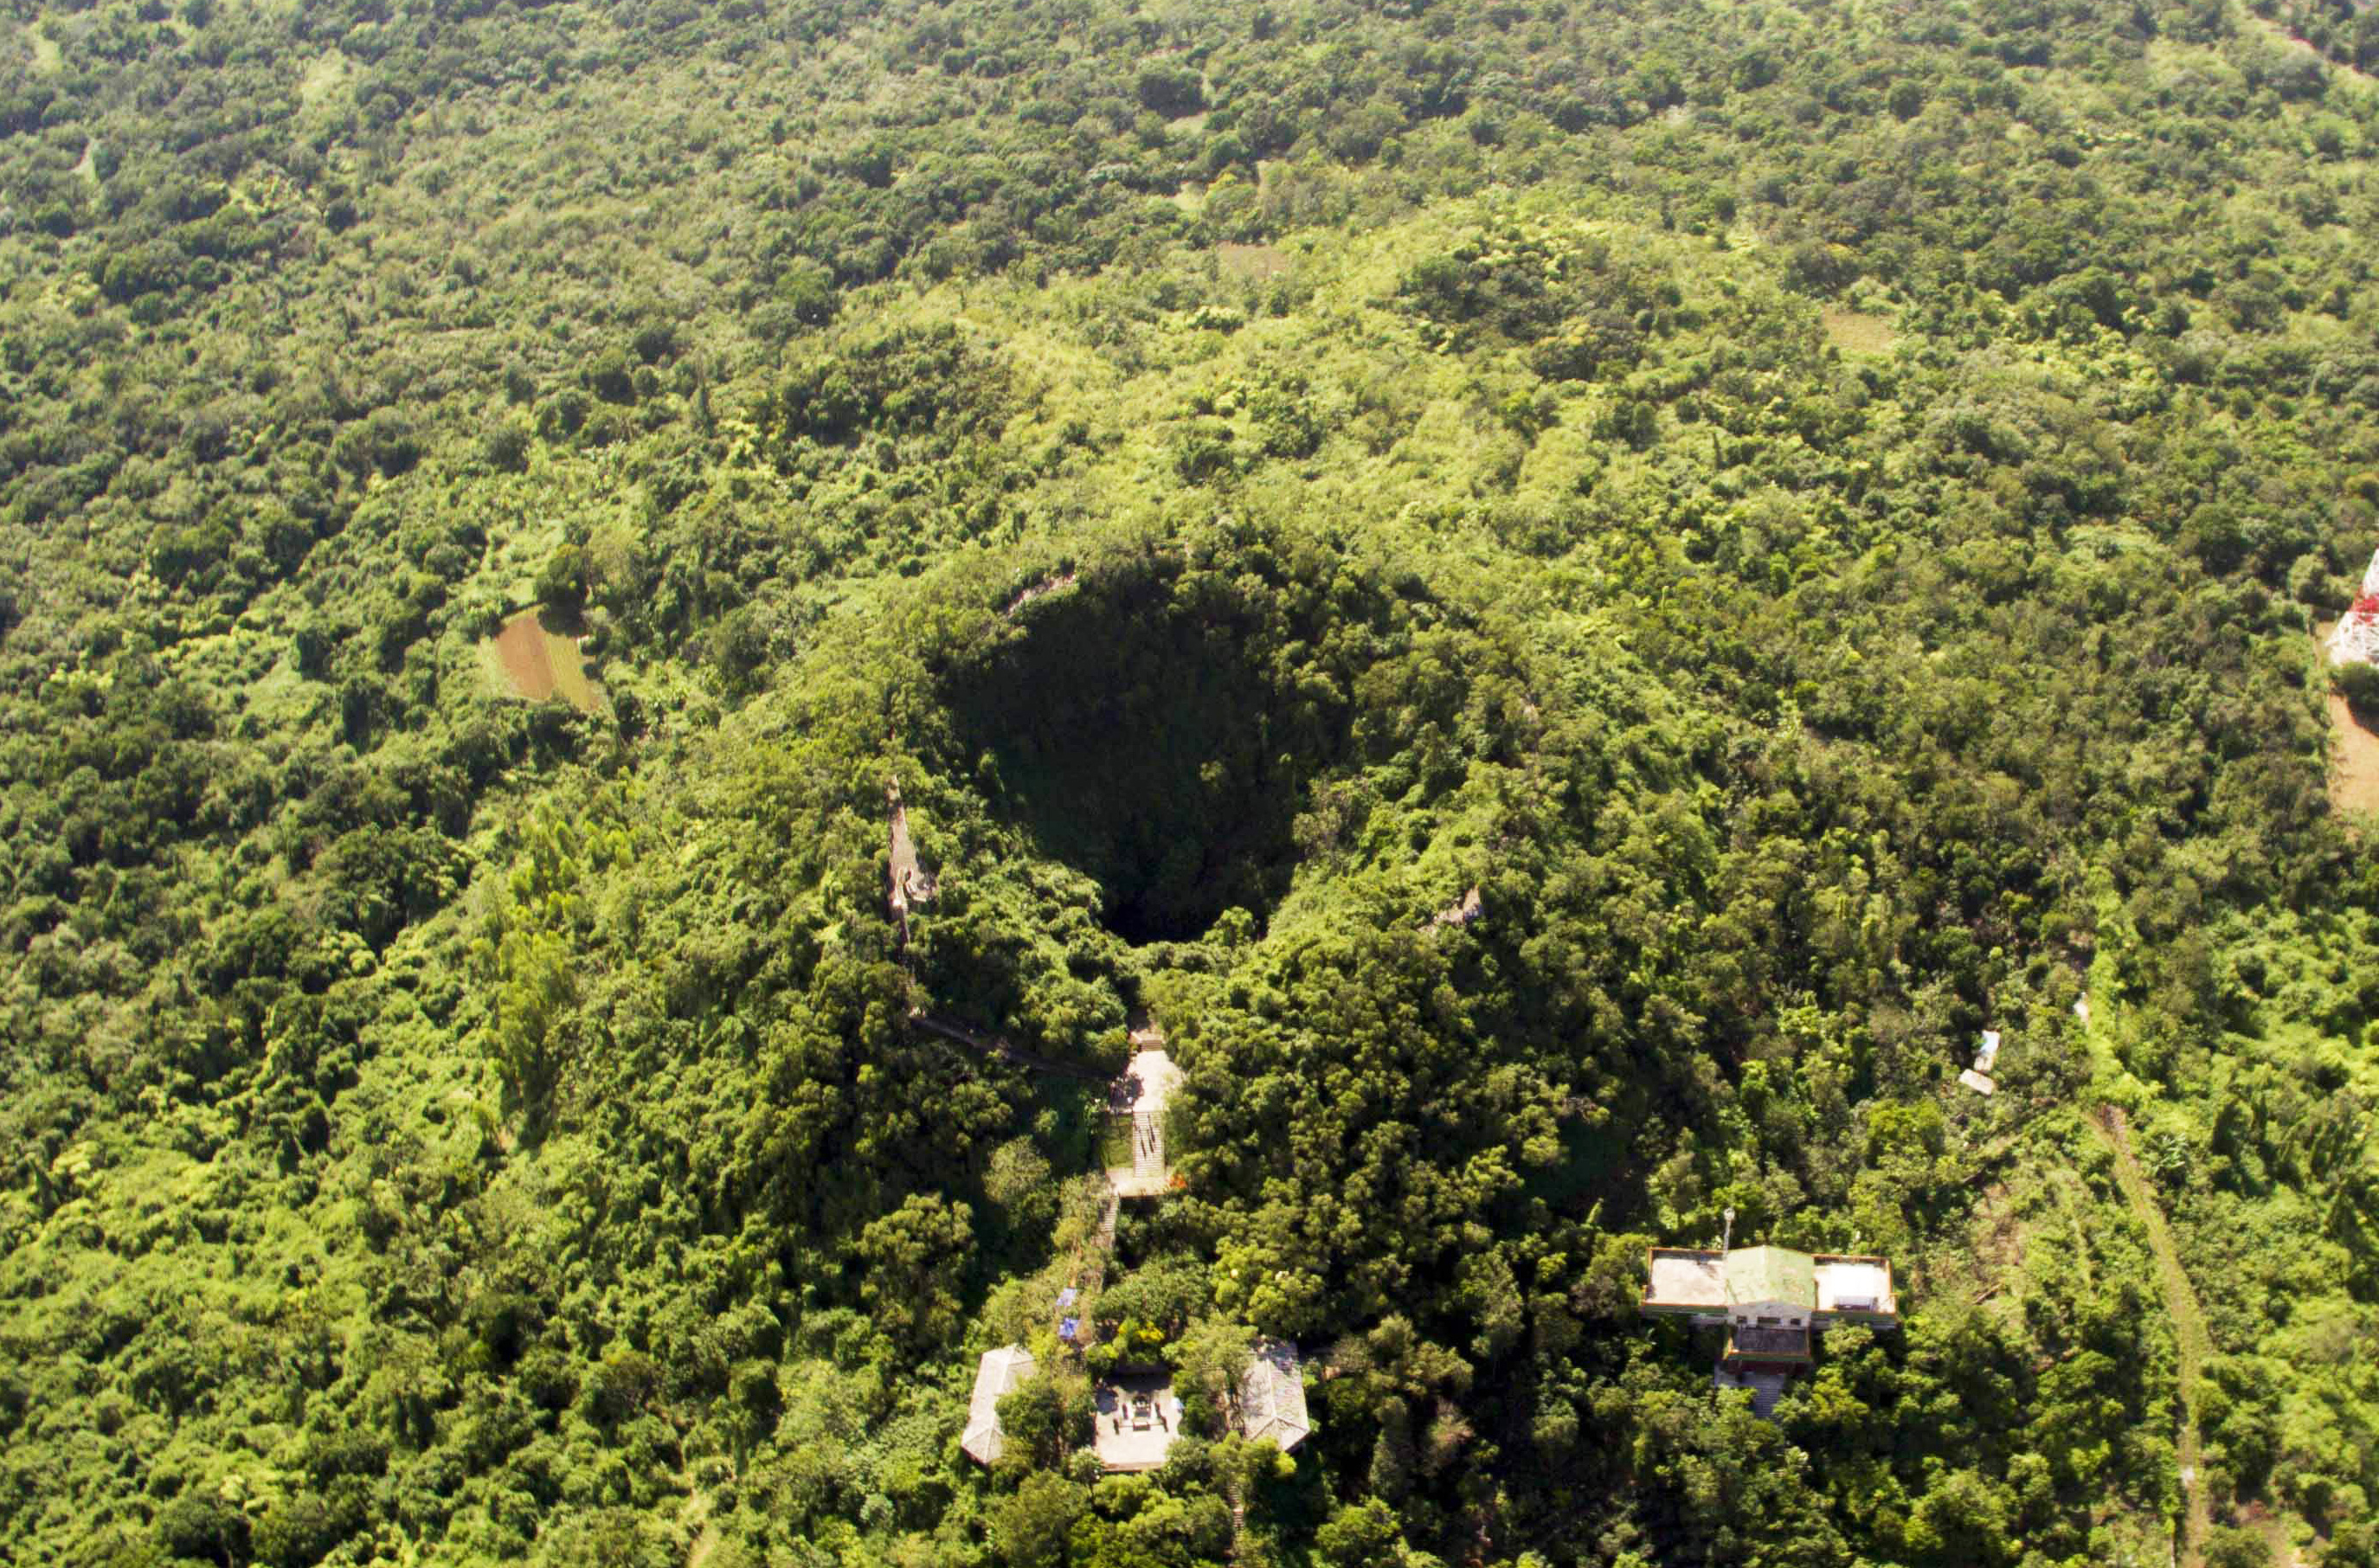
(529, 661)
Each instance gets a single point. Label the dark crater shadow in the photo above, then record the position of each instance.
(1157, 728)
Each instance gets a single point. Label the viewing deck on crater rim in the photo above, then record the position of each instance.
(1137, 1105)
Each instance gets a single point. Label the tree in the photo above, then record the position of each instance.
(913, 1260)
(1360, 1535)
(505, 446)
(1029, 1527)
(2229, 1546)
(561, 581)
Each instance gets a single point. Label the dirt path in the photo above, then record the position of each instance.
(1002, 1049)
(2188, 1324)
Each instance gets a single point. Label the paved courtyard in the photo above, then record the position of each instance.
(1137, 1419)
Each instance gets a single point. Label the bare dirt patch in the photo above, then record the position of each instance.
(1858, 332)
(1041, 589)
(911, 883)
(2353, 760)
(1257, 262)
(532, 662)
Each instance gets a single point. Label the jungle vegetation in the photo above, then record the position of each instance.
(1818, 512)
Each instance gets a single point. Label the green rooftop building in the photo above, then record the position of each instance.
(1770, 1299)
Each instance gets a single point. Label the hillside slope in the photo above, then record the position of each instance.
(1813, 514)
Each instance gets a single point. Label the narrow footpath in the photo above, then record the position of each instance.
(1030, 1060)
(2187, 1324)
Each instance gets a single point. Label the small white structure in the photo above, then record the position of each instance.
(2082, 1008)
(1272, 1396)
(1001, 1372)
(1465, 910)
(2355, 640)
(1854, 1284)
(1975, 1078)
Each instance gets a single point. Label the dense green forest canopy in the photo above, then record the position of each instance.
(1812, 514)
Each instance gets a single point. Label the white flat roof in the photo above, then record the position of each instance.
(1869, 1286)
(1688, 1279)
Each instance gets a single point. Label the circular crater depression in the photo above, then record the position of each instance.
(1156, 728)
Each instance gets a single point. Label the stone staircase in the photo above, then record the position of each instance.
(1766, 1388)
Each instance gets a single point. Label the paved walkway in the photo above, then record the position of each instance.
(1143, 1092)
(1765, 1387)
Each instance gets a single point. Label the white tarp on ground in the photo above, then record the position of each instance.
(1001, 1372)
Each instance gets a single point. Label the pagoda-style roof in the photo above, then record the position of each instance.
(1272, 1396)
(999, 1374)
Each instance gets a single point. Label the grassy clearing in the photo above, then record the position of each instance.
(323, 76)
(2190, 1334)
(1115, 1143)
(1856, 332)
(1256, 261)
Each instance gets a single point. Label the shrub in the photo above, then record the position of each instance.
(2358, 685)
(505, 447)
